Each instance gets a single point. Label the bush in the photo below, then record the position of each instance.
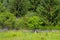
(22, 23)
(7, 20)
(34, 22)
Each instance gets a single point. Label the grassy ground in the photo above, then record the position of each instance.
(19, 35)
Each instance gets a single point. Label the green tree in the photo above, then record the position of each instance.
(49, 9)
(33, 5)
(2, 8)
(19, 7)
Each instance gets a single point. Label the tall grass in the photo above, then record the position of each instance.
(20, 35)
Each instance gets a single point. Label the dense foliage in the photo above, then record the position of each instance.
(29, 14)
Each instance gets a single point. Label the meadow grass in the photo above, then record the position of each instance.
(19, 35)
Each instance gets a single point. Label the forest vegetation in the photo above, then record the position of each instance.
(30, 14)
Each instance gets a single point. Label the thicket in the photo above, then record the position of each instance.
(30, 14)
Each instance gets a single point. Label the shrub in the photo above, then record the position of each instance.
(22, 23)
(7, 20)
(34, 22)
